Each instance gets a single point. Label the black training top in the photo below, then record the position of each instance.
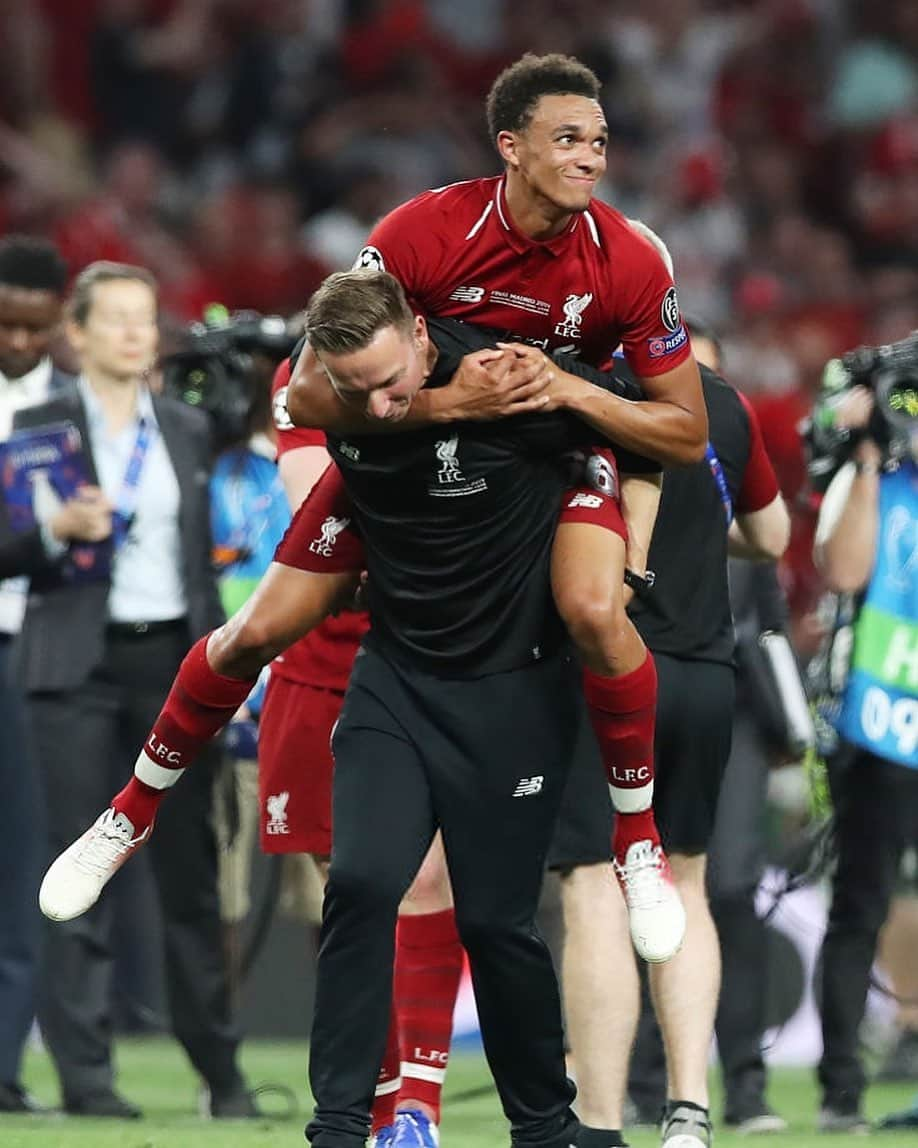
(687, 613)
(458, 523)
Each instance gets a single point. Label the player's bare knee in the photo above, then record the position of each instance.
(588, 891)
(430, 891)
(689, 873)
(597, 623)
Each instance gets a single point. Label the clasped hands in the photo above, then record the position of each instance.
(509, 379)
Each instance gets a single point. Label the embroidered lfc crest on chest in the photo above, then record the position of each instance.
(450, 481)
(573, 307)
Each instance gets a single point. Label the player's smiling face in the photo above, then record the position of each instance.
(561, 154)
(383, 377)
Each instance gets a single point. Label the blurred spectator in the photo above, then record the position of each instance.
(114, 224)
(32, 281)
(141, 65)
(756, 349)
(876, 75)
(705, 231)
(336, 235)
(94, 659)
(254, 255)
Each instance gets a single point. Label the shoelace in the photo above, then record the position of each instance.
(687, 1122)
(103, 849)
(415, 1125)
(642, 874)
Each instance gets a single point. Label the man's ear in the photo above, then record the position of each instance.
(508, 146)
(420, 329)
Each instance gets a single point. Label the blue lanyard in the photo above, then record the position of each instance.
(717, 470)
(126, 503)
(721, 479)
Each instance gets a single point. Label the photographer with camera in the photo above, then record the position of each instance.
(225, 368)
(865, 432)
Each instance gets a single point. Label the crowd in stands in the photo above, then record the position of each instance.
(243, 150)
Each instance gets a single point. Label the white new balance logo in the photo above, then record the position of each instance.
(590, 501)
(529, 786)
(468, 294)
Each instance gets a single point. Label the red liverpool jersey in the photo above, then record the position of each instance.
(457, 253)
(324, 657)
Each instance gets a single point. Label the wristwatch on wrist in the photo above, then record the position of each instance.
(640, 584)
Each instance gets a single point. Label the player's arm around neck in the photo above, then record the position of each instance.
(312, 402)
(670, 425)
(489, 384)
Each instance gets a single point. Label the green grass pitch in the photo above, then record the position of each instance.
(154, 1074)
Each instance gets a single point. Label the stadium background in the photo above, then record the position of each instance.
(241, 149)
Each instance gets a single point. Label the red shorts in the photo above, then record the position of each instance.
(596, 500)
(321, 538)
(295, 767)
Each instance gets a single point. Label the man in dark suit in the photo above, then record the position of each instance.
(96, 658)
(32, 281)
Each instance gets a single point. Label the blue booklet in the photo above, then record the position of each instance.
(40, 468)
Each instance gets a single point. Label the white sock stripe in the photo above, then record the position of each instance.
(423, 1072)
(634, 800)
(388, 1087)
(155, 775)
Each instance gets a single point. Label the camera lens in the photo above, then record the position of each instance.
(897, 394)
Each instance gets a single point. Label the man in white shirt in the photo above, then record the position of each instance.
(32, 281)
(33, 278)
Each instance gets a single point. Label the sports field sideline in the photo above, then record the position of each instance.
(154, 1074)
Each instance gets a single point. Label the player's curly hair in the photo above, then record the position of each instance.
(32, 264)
(517, 90)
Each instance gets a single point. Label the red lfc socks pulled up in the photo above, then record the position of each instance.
(389, 1080)
(622, 710)
(428, 967)
(199, 705)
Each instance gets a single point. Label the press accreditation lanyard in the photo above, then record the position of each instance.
(720, 478)
(128, 495)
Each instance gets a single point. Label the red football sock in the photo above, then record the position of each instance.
(199, 705)
(389, 1081)
(622, 710)
(428, 966)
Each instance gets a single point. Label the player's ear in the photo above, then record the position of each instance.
(508, 146)
(420, 330)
